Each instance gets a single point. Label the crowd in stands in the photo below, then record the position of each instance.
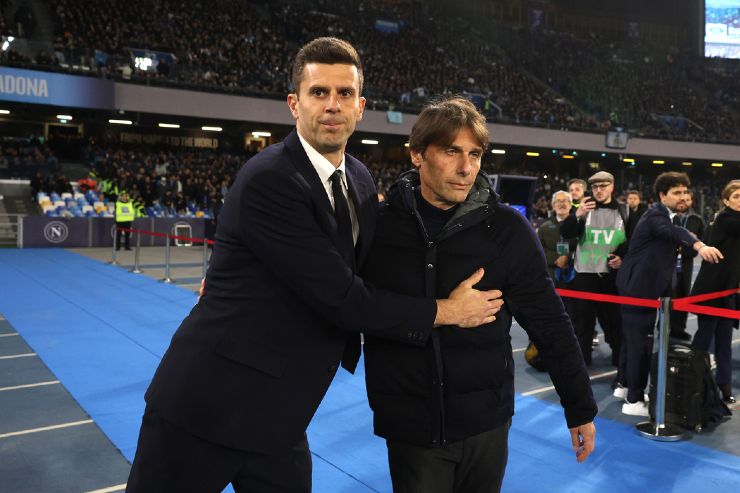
(23, 157)
(173, 182)
(628, 83)
(244, 47)
(188, 182)
(515, 75)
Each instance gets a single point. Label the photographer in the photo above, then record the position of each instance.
(599, 225)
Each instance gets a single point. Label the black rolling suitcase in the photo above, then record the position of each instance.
(692, 398)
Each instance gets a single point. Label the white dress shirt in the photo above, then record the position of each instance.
(325, 169)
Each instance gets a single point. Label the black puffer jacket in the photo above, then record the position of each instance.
(462, 383)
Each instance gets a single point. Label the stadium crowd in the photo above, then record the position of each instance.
(523, 76)
(173, 180)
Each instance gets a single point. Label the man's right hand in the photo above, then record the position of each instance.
(468, 307)
(587, 205)
(561, 261)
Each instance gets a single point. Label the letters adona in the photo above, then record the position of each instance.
(24, 86)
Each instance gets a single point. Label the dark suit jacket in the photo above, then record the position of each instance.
(648, 266)
(250, 364)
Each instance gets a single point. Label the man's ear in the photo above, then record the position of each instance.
(292, 103)
(417, 158)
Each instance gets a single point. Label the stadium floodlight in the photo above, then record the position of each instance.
(568, 156)
(498, 151)
(687, 163)
(628, 160)
(717, 165)
(533, 154)
(121, 122)
(64, 117)
(370, 142)
(261, 134)
(169, 125)
(211, 129)
(4, 112)
(658, 161)
(406, 144)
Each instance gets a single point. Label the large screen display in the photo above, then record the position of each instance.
(722, 28)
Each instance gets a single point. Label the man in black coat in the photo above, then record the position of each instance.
(685, 265)
(636, 208)
(246, 370)
(648, 271)
(445, 408)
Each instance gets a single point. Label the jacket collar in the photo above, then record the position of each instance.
(401, 193)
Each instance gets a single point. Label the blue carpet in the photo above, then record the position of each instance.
(102, 331)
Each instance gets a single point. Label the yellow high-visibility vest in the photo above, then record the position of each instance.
(124, 212)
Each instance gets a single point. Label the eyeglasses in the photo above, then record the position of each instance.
(599, 186)
(561, 201)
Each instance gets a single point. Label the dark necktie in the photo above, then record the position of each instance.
(346, 244)
(346, 247)
(677, 220)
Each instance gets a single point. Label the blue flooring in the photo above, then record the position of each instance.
(102, 331)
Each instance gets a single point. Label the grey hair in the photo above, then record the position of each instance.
(552, 200)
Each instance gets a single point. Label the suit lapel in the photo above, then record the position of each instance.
(325, 212)
(364, 199)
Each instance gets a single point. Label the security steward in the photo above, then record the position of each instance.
(124, 218)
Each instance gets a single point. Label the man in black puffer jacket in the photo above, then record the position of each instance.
(445, 409)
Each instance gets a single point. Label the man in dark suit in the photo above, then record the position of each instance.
(685, 266)
(636, 209)
(648, 271)
(246, 370)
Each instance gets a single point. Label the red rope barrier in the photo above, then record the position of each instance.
(705, 310)
(609, 298)
(681, 304)
(708, 296)
(165, 235)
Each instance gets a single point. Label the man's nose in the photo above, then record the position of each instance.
(466, 166)
(332, 105)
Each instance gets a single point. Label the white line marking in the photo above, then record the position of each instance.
(46, 428)
(518, 350)
(9, 335)
(30, 385)
(14, 356)
(110, 489)
(592, 377)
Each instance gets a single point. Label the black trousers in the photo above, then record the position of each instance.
(718, 329)
(585, 314)
(639, 326)
(126, 234)
(170, 460)
(473, 465)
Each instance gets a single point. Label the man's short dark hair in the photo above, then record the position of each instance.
(440, 121)
(669, 179)
(578, 180)
(634, 192)
(324, 50)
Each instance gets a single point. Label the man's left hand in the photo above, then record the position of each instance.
(615, 262)
(584, 440)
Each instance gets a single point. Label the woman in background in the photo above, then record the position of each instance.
(724, 235)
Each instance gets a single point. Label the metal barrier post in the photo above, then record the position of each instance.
(205, 257)
(136, 269)
(660, 430)
(113, 249)
(167, 277)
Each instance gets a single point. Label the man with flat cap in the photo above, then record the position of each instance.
(600, 225)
